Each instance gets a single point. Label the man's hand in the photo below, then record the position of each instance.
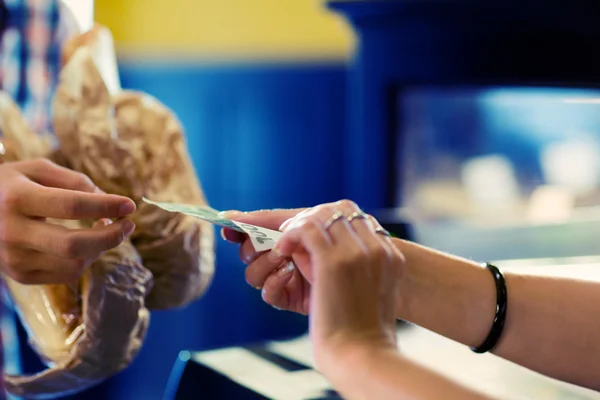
(33, 251)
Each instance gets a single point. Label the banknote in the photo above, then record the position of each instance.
(262, 238)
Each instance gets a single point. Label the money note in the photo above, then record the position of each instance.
(262, 238)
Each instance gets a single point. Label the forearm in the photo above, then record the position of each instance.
(386, 374)
(551, 326)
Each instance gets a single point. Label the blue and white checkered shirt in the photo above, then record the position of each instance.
(33, 33)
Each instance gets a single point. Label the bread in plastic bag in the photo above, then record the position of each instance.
(111, 327)
(169, 260)
(87, 331)
(130, 144)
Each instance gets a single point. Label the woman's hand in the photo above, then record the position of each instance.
(33, 251)
(354, 272)
(282, 285)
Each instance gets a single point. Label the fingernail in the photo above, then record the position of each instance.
(126, 208)
(230, 214)
(128, 227)
(274, 255)
(99, 191)
(257, 287)
(285, 224)
(104, 222)
(284, 271)
(222, 231)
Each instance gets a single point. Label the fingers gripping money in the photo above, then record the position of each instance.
(263, 239)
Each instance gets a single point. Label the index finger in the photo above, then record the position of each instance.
(40, 201)
(47, 173)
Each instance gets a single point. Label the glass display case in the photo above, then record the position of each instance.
(473, 127)
(499, 172)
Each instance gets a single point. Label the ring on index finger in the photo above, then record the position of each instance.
(335, 217)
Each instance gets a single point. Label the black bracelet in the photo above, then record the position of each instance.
(500, 317)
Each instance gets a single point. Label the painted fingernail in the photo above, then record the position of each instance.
(126, 208)
(222, 231)
(128, 227)
(274, 255)
(284, 271)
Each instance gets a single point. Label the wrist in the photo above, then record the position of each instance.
(448, 295)
(406, 285)
(354, 358)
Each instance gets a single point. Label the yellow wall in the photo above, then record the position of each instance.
(274, 29)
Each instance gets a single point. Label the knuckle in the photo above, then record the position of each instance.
(14, 267)
(113, 240)
(313, 227)
(399, 258)
(78, 265)
(69, 207)
(347, 204)
(42, 164)
(257, 273)
(373, 221)
(312, 224)
(69, 247)
(379, 254)
(9, 197)
(82, 181)
(24, 277)
(75, 269)
(351, 256)
(11, 261)
(8, 234)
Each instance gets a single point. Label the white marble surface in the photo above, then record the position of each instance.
(487, 373)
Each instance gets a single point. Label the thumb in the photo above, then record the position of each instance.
(270, 219)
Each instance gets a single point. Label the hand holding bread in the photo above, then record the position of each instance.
(90, 323)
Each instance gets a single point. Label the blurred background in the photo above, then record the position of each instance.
(260, 88)
(473, 128)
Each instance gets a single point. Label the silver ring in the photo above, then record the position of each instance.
(335, 217)
(382, 231)
(357, 214)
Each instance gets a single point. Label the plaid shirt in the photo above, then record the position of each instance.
(32, 35)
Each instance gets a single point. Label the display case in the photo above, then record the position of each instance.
(473, 126)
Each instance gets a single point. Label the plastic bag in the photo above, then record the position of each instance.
(89, 331)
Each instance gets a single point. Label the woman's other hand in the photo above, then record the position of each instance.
(282, 286)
